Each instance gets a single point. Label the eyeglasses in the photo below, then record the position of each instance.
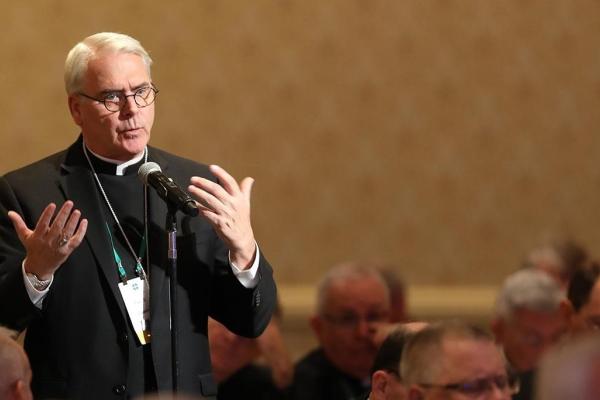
(352, 320)
(506, 383)
(115, 101)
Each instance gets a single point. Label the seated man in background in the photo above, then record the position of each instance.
(15, 372)
(386, 383)
(233, 359)
(529, 319)
(274, 352)
(453, 360)
(352, 302)
(584, 299)
(571, 372)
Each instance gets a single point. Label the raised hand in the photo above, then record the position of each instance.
(227, 207)
(52, 241)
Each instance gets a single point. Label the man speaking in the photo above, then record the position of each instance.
(84, 254)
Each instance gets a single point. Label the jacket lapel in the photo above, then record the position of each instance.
(79, 186)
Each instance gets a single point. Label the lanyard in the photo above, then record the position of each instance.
(139, 271)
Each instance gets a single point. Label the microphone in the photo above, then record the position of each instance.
(151, 174)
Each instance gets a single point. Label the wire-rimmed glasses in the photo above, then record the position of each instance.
(115, 101)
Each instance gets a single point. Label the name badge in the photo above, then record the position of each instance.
(136, 295)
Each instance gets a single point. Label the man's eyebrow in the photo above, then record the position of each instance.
(133, 89)
(141, 85)
(107, 91)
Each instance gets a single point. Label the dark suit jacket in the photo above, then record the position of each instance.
(316, 378)
(252, 382)
(78, 344)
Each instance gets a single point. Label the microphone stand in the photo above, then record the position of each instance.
(171, 227)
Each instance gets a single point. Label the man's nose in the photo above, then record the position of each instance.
(130, 107)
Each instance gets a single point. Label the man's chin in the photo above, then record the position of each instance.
(133, 144)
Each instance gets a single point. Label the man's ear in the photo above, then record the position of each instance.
(75, 108)
(21, 391)
(379, 384)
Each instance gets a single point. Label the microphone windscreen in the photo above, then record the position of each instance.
(146, 169)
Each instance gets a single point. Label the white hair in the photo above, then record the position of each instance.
(570, 371)
(343, 272)
(78, 58)
(528, 289)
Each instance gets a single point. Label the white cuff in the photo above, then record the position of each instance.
(36, 296)
(247, 277)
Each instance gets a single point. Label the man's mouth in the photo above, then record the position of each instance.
(129, 130)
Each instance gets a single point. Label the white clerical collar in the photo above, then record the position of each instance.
(120, 165)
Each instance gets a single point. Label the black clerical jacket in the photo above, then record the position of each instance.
(80, 343)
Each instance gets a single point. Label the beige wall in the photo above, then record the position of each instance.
(445, 136)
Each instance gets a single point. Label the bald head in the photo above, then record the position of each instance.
(15, 372)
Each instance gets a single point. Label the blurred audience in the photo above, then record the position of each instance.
(352, 302)
(571, 371)
(274, 352)
(15, 371)
(529, 319)
(234, 362)
(386, 383)
(584, 299)
(453, 360)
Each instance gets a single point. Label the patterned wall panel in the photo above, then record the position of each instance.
(445, 136)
